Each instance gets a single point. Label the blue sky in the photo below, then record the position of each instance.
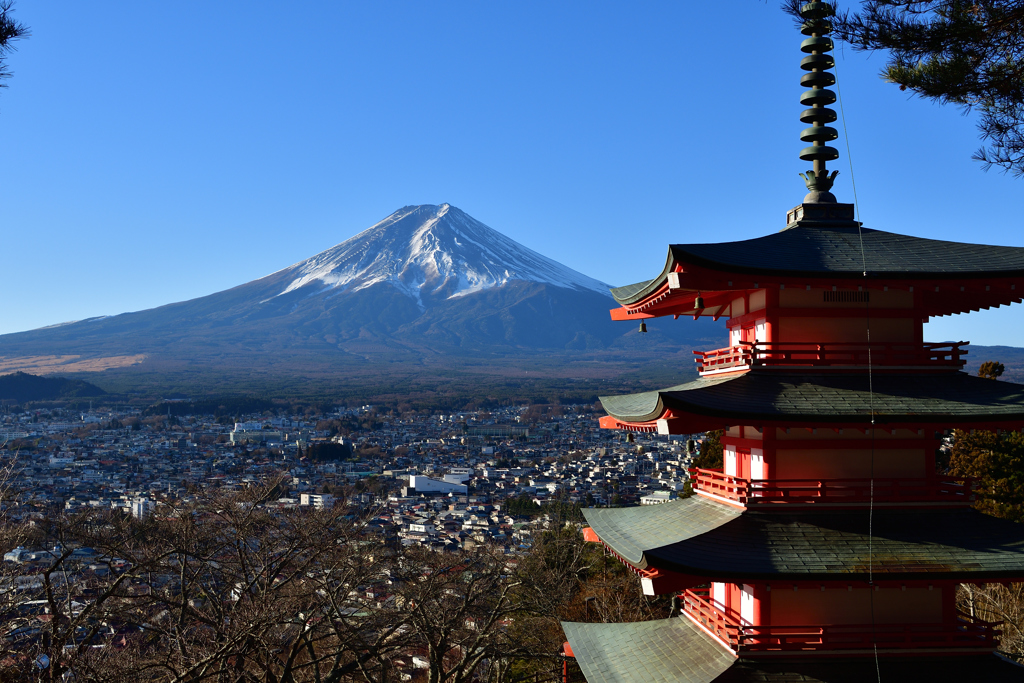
(156, 152)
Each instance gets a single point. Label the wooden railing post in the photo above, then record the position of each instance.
(823, 354)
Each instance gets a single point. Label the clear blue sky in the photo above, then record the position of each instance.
(156, 152)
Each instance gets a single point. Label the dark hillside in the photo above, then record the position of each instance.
(22, 386)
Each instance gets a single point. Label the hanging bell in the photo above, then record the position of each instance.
(643, 327)
(698, 303)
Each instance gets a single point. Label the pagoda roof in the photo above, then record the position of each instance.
(812, 546)
(630, 532)
(835, 252)
(950, 399)
(677, 651)
(661, 651)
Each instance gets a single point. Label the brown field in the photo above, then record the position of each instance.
(46, 365)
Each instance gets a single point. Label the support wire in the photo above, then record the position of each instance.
(871, 386)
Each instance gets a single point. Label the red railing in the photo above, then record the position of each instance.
(945, 490)
(965, 632)
(834, 355)
(729, 358)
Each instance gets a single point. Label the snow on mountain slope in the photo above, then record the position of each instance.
(432, 250)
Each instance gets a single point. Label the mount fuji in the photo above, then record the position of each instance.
(428, 285)
(433, 253)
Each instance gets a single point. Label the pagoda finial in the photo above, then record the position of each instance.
(818, 45)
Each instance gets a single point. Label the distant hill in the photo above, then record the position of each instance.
(22, 386)
(1010, 356)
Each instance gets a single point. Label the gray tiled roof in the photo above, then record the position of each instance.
(661, 651)
(627, 293)
(836, 252)
(676, 651)
(949, 398)
(905, 544)
(630, 531)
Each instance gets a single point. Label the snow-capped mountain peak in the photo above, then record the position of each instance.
(436, 251)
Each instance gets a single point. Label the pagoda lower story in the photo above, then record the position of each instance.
(825, 546)
(830, 544)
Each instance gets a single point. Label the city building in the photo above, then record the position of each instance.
(419, 484)
(317, 500)
(142, 508)
(658, 497)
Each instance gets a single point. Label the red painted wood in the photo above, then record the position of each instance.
(944, 296)
(939, 490)
(962, 633)
(808, 355)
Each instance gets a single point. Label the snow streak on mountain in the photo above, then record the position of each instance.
(432, 250)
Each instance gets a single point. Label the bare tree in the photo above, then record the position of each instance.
(998, 603)
(225, 590)
(231, 589)
(469, 612)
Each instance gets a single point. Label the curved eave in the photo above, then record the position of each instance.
(629, 532)
(823, 257)
(698, 537)
(660, 651)
(630, 294)
(937, 297)
(947, 399)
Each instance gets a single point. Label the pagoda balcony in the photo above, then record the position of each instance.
(831, 356)
(964, 634)
(937, 490)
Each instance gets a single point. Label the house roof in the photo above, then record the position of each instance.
(836, 252)
(676, 651)
(948, 398)
(690, 536)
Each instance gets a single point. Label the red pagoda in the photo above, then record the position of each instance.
(829, 547)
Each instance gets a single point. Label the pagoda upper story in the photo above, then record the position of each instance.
(815, 272)
(808, 311)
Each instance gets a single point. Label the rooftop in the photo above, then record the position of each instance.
(950, 399)
(698, 537)
(836, 252)
(676, 651)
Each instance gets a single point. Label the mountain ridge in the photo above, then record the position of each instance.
(427, 286)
